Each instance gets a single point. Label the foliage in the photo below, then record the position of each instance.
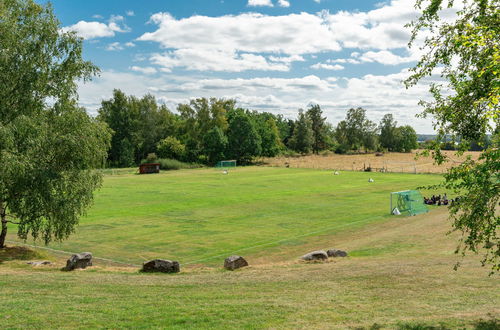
(244, 142)
(174, 164)
(215, 144)
(48, 151)
(466, 52)
(302, 139)
(137, 124)
(388, 131)
(151, 158)
(356, 131)
(269, 134)
(406, 139)
(318, 126)
(170, 147)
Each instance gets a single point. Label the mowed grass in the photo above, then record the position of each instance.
(399, 273)
(406, 282)
(202, 216)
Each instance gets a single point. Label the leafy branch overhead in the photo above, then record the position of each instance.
(466, 52)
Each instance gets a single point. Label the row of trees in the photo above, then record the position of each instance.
(209, 130)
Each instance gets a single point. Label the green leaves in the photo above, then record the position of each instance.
(467, 52)
(49, 146)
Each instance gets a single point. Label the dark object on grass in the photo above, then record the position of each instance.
(336, 253)
(315, 255)
(235, 262)
(80, 260)
(149, 168)
(161, 266)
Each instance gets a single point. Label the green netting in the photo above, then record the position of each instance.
(226, 163)
(408, 202)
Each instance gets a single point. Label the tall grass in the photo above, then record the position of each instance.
(173, 164)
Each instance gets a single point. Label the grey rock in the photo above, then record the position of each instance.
(315, 255)
(336, 253)
(39, 263)
(235, 262)
(79, 260)
(162, 266)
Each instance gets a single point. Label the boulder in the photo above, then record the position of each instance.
(162, 266)
(235, 262)
(39, 263)
(79, 260)
(336, 253)
(315, 255)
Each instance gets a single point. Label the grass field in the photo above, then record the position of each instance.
(395, 162)
(202, 216)
(399, 274)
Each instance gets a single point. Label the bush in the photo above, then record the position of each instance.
(151, 158)
(170, 147)
(341, 149)
(173, 164)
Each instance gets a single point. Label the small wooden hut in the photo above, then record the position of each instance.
(149, 168)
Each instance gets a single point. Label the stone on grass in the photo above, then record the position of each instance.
(315, 255)
(39, 263)
(336, 253)
(235, 262)
(79, 261)
(161, 266)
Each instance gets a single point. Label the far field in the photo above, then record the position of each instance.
(391, 162)
(199, 217)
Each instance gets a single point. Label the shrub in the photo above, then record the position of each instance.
(151, 158)
(173, 164)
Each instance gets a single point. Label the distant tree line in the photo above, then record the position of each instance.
(208, 130)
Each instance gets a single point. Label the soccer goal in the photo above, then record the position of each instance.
(408, 202)
(226, 164)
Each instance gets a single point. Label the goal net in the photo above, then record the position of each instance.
(408, 202)
(226, 164)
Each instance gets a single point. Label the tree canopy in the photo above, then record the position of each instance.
(49, 147)
(466, 52)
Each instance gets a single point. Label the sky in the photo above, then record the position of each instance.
(269, 55)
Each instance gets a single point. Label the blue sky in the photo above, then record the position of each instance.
(270, 55)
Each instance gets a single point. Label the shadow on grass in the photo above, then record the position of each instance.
(10, 253)
(492, 323)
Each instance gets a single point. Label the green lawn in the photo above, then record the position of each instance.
(201, 216)
(399, 273)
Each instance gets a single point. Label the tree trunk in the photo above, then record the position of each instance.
(3, 234)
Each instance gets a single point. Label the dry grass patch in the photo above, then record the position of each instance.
(392, 162)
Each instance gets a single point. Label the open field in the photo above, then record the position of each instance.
(201, 216)
(391, 162)
(399, 276)
(399, 273)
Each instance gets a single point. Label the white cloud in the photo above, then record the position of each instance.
(260, 3)
(130, 13)
(283, 3)
(324, 66)
(145, 70)
(91, 30)
(251, 32)
(241, 40)
(386, 57)
(114, 46)
(118, 46)
(216, 60)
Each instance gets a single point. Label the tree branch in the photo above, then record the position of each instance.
(16, 223)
